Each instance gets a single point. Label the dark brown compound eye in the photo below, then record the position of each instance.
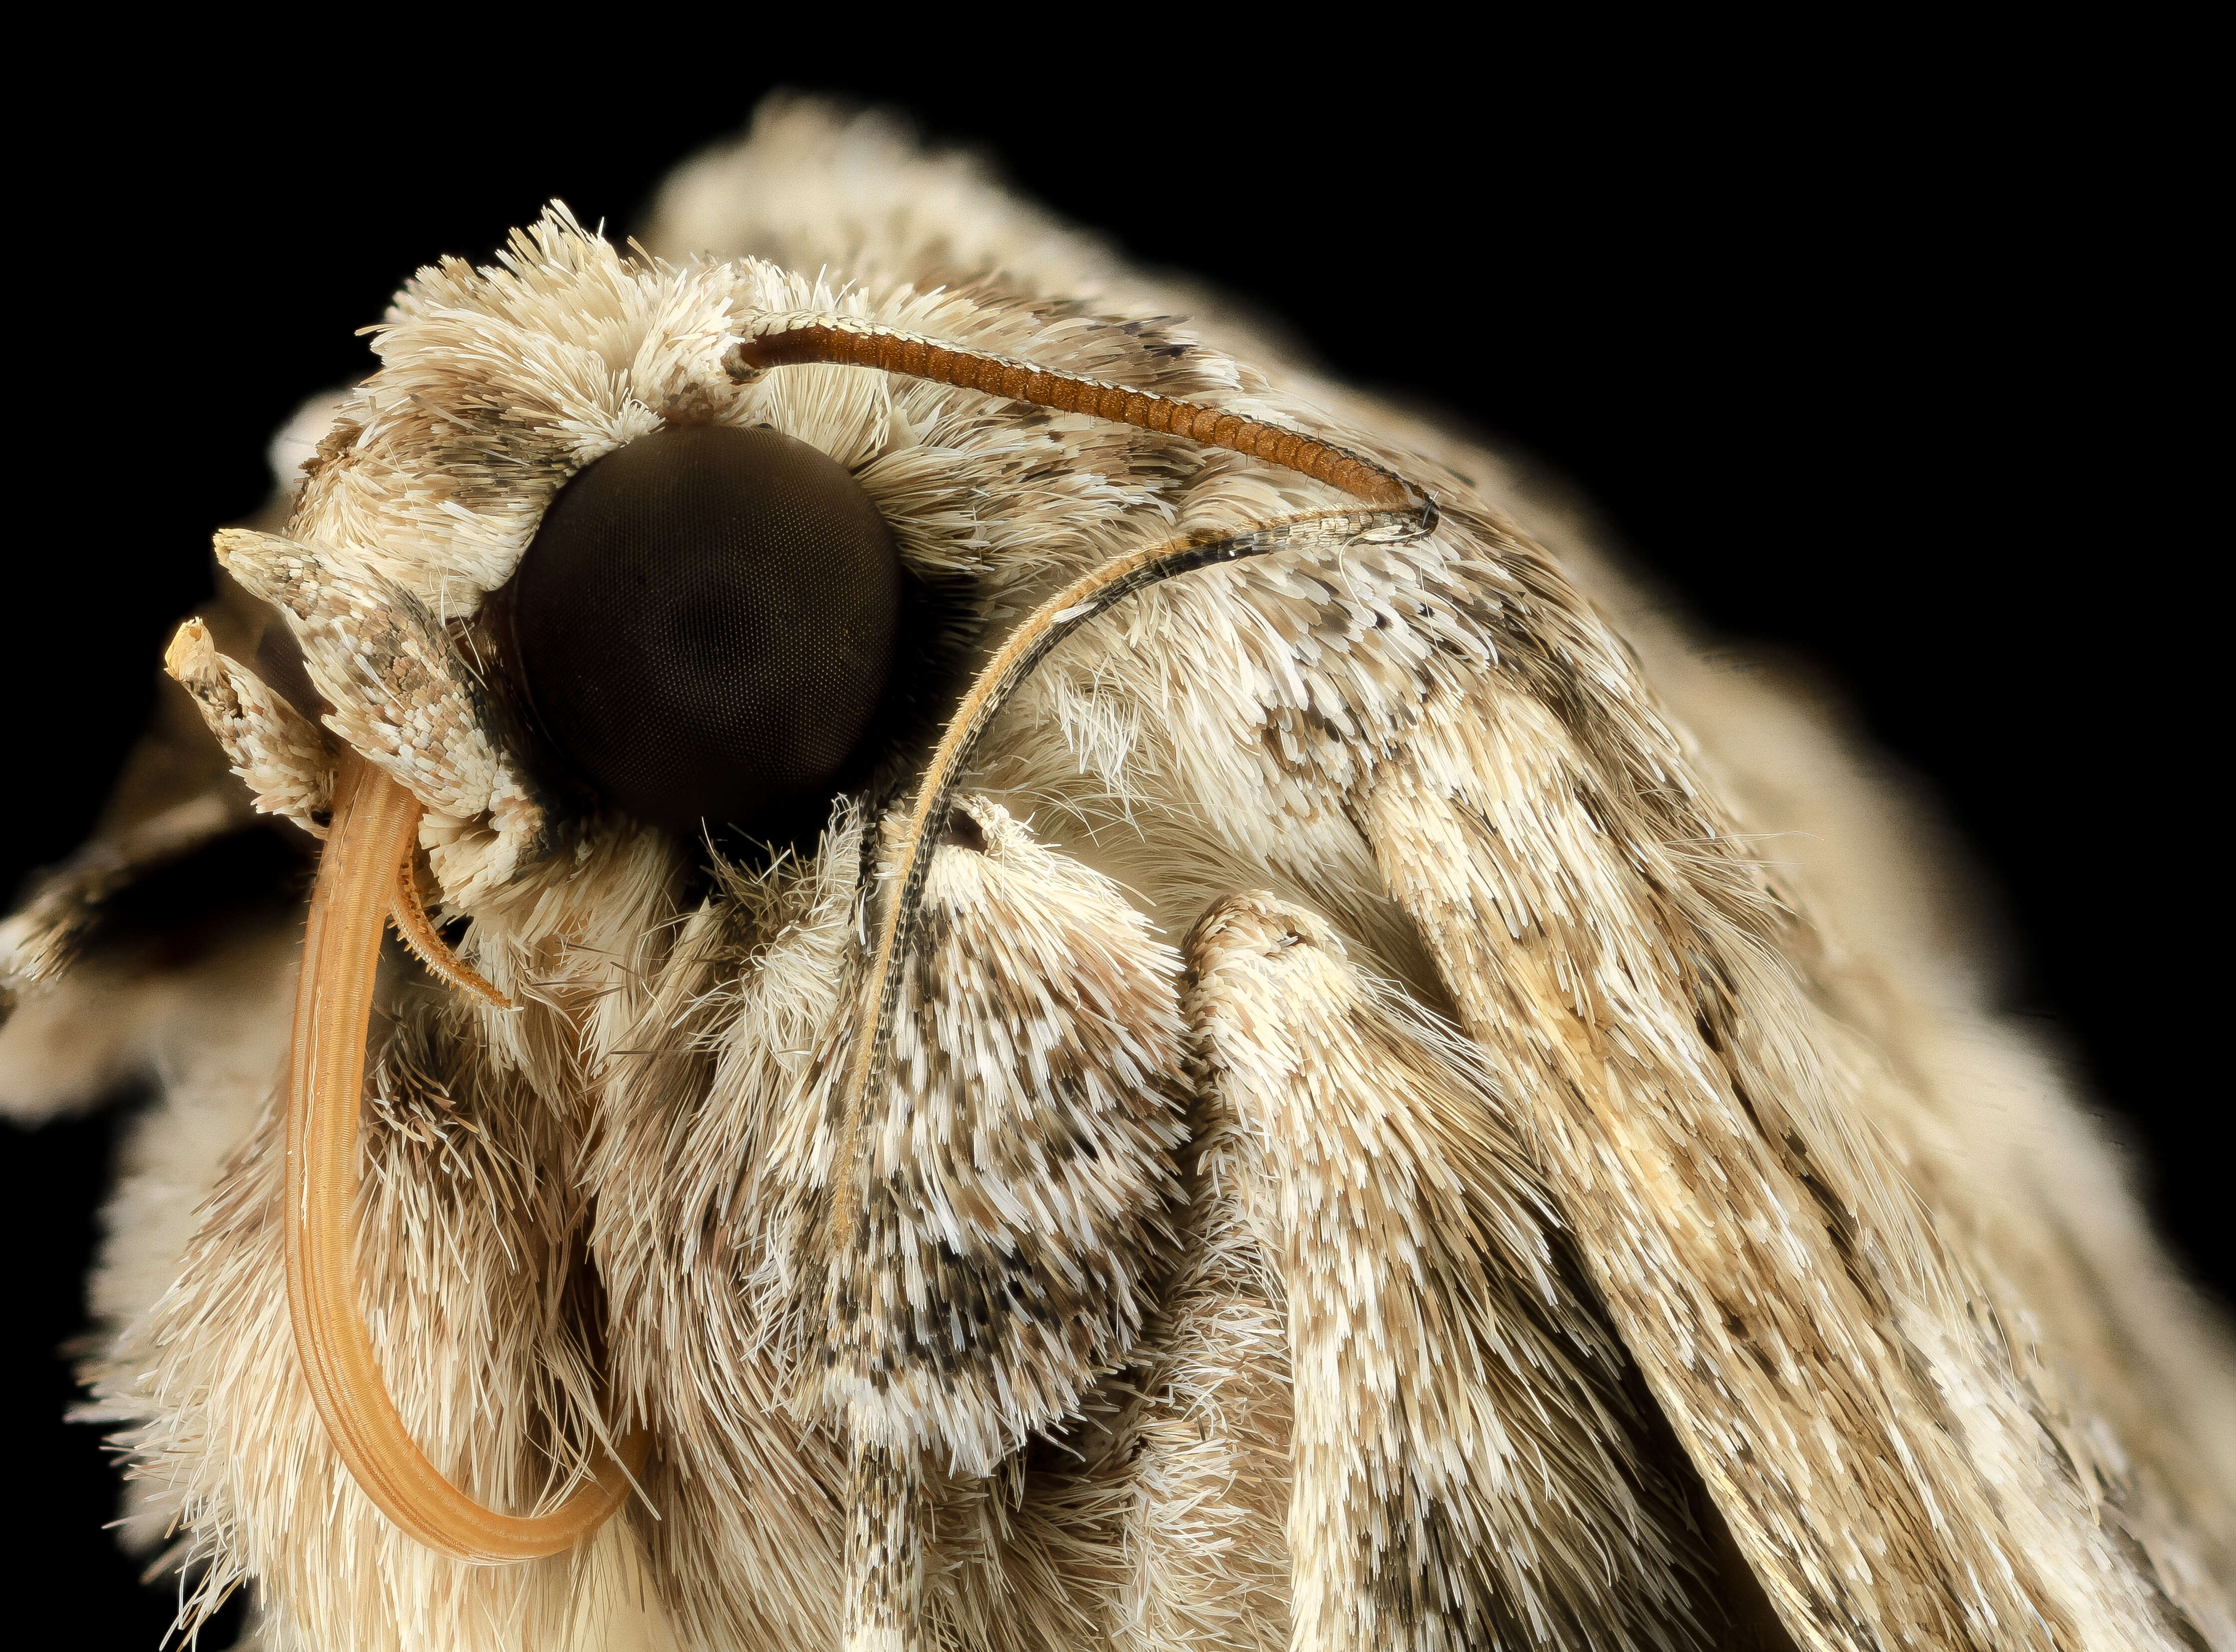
(705, 625)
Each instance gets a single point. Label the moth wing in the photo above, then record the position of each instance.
(1824, 1349)
(1465, 1468)
(1983, 1117)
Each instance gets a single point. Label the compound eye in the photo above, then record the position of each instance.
(705, 625)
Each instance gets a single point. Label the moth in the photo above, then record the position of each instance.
(989, 969)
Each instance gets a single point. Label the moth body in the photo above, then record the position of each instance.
(1375, 1101)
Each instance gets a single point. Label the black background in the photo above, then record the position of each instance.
(1868, 346)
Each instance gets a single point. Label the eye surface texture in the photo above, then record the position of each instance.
(704, 627)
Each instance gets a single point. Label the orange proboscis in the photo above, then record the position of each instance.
(365, 879)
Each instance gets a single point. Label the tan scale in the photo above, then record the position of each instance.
(1509, 1145)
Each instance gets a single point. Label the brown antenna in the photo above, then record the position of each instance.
(852, 344)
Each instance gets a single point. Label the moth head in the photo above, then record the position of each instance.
(558, 574)
(612, 553)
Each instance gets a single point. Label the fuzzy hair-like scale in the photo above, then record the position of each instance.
(1381, 1148)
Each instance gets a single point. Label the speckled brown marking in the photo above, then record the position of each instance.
(1026, 646)
(884, 1550)
(1014, 1175)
